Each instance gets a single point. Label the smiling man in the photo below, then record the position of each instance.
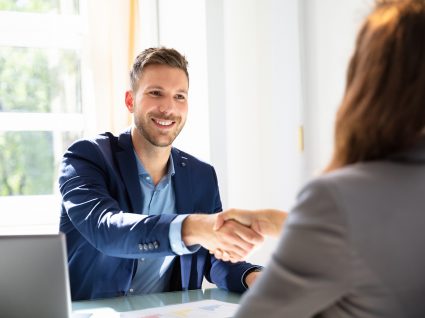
(137, 212)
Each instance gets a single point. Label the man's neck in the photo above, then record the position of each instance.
(153, 158)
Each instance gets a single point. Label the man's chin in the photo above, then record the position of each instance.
(161, 143)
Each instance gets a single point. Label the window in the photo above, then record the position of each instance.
(41, 106)
(63, 74)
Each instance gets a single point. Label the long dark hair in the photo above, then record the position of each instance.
(383, 109)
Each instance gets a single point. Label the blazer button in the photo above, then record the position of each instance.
(183, 164)
(155, 244)
(141, 247)
(145, 247)
(150, 245)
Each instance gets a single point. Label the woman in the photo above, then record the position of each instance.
(353, 244)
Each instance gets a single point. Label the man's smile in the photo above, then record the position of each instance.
(163, 123)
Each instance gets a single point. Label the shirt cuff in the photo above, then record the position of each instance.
(175, 236)
(248, 271)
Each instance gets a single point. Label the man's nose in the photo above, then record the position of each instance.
(167, 105)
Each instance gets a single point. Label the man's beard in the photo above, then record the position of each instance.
(157, 138)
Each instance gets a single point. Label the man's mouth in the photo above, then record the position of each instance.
(163, 123)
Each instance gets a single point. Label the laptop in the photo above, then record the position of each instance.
(34, 276)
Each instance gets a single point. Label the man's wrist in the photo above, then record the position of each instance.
(247, 279)
(192, 225)
(175, 237)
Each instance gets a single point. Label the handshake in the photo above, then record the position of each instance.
(231, 235)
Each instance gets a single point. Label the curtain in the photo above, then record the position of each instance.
(110, 46)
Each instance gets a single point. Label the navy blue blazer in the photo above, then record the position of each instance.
(101, 215)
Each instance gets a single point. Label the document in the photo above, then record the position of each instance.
(196, 309)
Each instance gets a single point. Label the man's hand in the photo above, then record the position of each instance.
(265, 222)
(233, 238)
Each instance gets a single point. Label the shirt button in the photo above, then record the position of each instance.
(131, 290)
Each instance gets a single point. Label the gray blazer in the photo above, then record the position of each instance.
(353, 246)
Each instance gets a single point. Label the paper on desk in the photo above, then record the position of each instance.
(96, 313)
(196, 309)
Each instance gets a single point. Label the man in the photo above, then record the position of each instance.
(138, 213)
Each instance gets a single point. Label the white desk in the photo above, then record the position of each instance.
(128, 303)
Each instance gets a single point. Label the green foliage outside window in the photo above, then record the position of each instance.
(34, 80)
(27, 83)
(26, 163)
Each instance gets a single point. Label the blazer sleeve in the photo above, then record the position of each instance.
(310, 270)
(87, 178)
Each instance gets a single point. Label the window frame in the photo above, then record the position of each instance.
(40, 213)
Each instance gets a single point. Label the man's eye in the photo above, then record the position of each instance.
(181, 97)
(155, 93)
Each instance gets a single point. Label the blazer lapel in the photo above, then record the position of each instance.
(184, 204)
(182, 184)
(128, 168)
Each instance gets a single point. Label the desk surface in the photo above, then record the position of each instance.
(127, 303)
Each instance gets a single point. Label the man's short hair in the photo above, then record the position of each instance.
(161, 56)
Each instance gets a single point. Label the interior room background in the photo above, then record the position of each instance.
(266, 77)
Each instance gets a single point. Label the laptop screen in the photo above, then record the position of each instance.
(34, 276)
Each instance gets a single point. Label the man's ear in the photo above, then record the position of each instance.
(129, 101)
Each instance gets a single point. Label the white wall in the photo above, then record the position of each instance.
(255, 59)
(329, 28)
(255, 82)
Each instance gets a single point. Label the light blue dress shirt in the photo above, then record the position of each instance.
(153, 273)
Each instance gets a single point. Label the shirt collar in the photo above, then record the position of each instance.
(142, 171)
